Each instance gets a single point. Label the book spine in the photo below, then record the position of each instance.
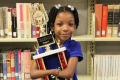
(8, 62)
(4, 67)
(98, 19)
(1, 23)
(27, 22)
(119, 24)
(20, 24)
(33, 31)
(9, 23)
(14, 23)
(12, 65)
(27, 62)
(5, 24)
(16, 65)
(115, 21)
(19, 64)
(104, 21)
(22, 65)
(110, 21)
(1, 67)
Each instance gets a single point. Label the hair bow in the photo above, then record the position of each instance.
(57, 6)
(72, 7)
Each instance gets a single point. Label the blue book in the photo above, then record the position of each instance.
(4, 67)
(16, 65)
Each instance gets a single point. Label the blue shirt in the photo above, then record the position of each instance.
(73, 49)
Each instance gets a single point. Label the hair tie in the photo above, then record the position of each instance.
(72, 7)
(57, 6)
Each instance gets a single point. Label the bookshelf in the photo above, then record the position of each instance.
(87, 38)
(81, 34)
(104, 45)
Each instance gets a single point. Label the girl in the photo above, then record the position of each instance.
(62, 21)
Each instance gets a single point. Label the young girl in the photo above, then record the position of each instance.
(62, 21)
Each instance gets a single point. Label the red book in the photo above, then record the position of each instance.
(12, 65)
(98, 19)
(104, 20)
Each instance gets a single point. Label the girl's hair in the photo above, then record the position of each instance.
(54, 11)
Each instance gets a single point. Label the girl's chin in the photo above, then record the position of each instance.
(63, 38)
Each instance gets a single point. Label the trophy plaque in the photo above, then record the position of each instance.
(39, 18)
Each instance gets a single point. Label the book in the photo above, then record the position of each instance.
(20, 22)
(12, 58)
(104, 20)
(5, 17)
(4, 67)
(19, 64)
(8, 63)
(110, 21)
(1, 67)
(27, 20)
(98, 19)
(14, 23)
(1, 23)
(27, 62)
(9, 21)
(115, 21)
(16, 65)
(22, 65)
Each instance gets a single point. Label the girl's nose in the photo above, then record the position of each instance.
(65, 28)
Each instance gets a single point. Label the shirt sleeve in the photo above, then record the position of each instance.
(75, 50)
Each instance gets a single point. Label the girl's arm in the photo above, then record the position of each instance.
(66, 73)
(69, 71)
(36, 73)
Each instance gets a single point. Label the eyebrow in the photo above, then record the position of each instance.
(59, 20)
(62, 21)
(71, 20)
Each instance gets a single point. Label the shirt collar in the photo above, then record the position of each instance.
(66, 42)
(54, 46)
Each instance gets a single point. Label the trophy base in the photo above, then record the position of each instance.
(49, 53)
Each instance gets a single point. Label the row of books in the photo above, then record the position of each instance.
(106, 67)
(107, 20)
(16, 22)
(16, 65)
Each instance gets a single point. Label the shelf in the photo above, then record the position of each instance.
(84, 77)
(77, 38)
(83, 38)
(17, 40)
(107, 39)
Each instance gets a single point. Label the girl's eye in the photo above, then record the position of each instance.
(60, 24)
(71, 24)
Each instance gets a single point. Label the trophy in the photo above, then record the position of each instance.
(39, 19)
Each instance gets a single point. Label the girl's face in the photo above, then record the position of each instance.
(64, 26)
